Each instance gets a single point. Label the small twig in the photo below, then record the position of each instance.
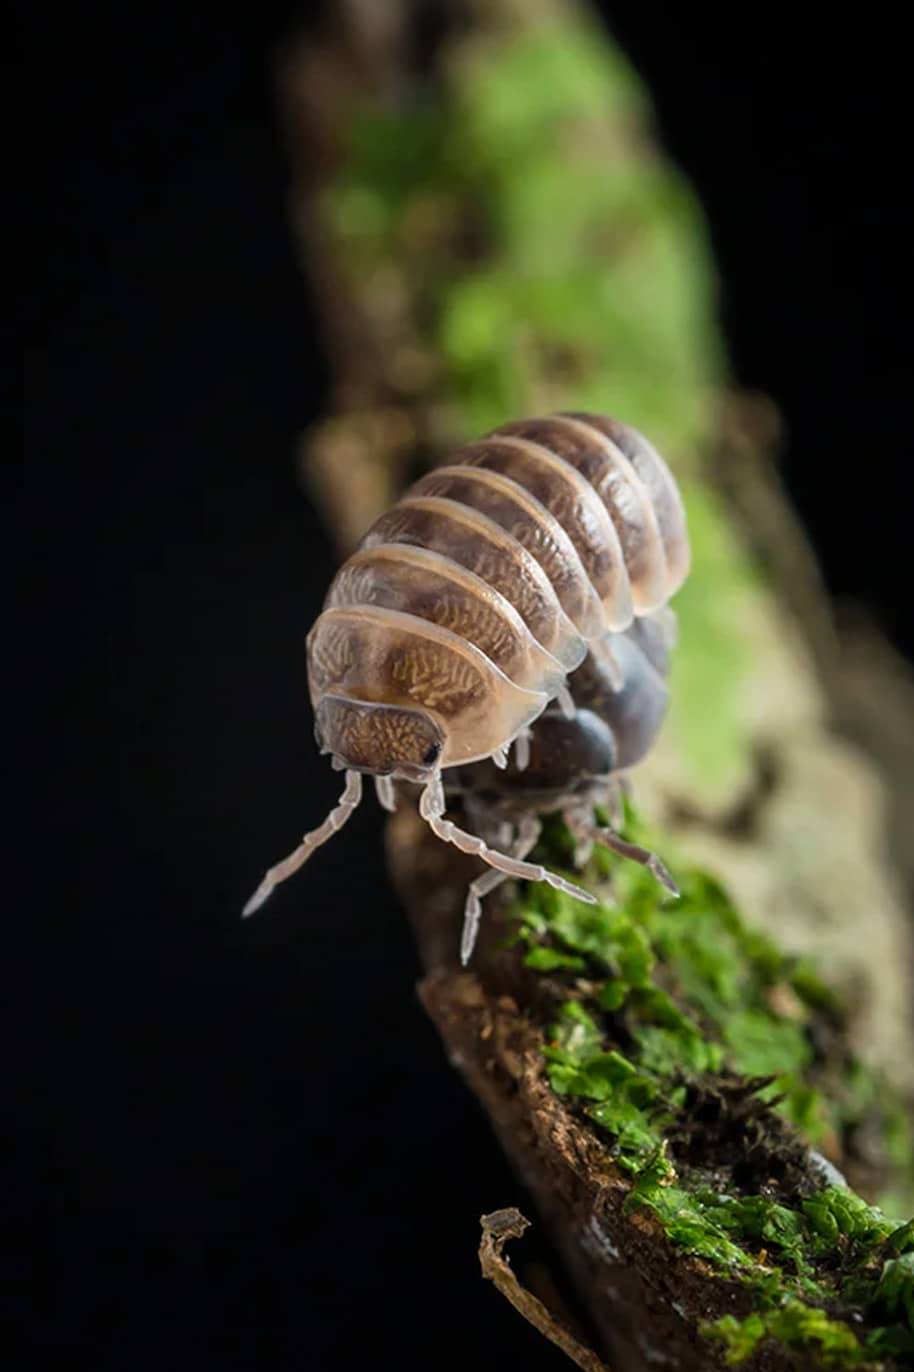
(497, 1228)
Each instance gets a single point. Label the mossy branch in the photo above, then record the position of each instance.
(664, 1079)
(658, 1074)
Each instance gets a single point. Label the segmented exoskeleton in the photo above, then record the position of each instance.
(533, 567)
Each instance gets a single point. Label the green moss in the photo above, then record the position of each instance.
(623, 1099)
(901, 1240)
(801, 1327)
(836, 1214)
(683, 1035)
(726, 980)
(688, 1225)
(534, 114)
(895, 1292)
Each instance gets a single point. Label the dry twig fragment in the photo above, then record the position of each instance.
(497, 1228)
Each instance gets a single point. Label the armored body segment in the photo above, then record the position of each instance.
(622, 491)
(479, 544)
(655, 636)
(390, 658)
(525, 518)
(576, 506)
(396, 576)
(664, 492)
(634, 709)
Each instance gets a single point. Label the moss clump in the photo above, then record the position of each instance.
(808, 1329)
(692, 1042)
(691, 988)
(801, 1327)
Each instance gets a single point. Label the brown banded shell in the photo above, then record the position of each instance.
(661, 487)
(526, 519)
(623, 492)
(488, 582)
(389, 657)
(420, 582)
(474, 541)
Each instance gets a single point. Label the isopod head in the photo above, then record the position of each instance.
(384, 740)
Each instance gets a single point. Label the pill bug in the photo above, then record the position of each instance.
(515, 596)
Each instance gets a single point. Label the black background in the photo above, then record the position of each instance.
(250, 1150)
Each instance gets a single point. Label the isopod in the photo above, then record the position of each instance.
(515, 596)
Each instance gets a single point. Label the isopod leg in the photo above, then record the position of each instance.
(583, 851)
(607, 793)
(334, 821)
(565, 702)
(387, 796)
(431, 808)
(528, 832)
(522, 750)
(612, 799)
(583, 828)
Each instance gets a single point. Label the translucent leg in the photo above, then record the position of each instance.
(505, 836)
(565, 702)
(334, 821)
(431, 808)
(583, 827)
(528, 832)
(613, 801)
(522, 750)
(500, 758)
(387, 796)
(583, 851)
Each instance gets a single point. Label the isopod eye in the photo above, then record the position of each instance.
(431, 755)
